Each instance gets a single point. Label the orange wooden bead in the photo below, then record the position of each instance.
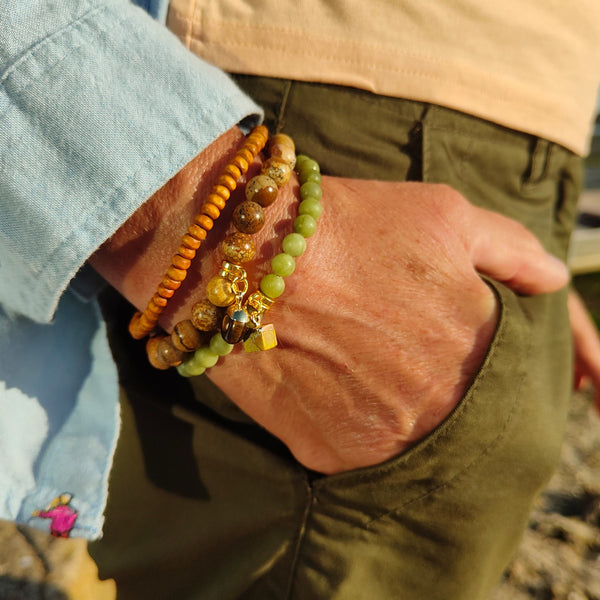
(241, 163)
(136, 331)
(261, 130)
(233, 171)
(210, 210)
(205, 222)
(221, 190)
(197, 232)
(180, 262)
(228, 181)
(191, 242)
(217, 201)
(252, 146)
(164, 291)
(153, 308)
(169, 284)
(158, 301)
(186, 252)
(176, 274)
(257, 140)
(246, 154)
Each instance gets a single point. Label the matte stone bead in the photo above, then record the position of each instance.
(294, 244)
(261, 189)
(220, 292)
(278, 170)
(310, 206)
(161, 354)
(305, 225)
(313, 176)
(310, 189)
(167, 352)
(306, 166)
(219, 346)
(189, 369)
(301, 160)
(249, 217)
(204, 357)
(206, 316)
(281, 139)
(285, 153)
(186, 337)
(238, 248)
(283, 265)
(272, 285)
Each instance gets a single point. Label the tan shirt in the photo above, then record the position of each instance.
(531, 65)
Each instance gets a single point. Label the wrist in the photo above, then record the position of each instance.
(136, 257)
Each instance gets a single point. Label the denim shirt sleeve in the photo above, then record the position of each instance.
(99, 106)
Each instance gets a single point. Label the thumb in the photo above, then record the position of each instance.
(506, 251)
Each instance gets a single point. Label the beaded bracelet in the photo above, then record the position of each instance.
(228, 288)
(243, 322)
(142, 323)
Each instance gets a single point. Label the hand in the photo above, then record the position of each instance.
(382, 326)
(586, 345)
(385, 321)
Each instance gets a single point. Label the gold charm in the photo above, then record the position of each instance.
(263, 338)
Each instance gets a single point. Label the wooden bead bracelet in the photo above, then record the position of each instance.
(145, 322)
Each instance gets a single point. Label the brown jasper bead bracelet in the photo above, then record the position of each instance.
(145, 322)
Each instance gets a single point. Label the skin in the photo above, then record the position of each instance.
(587, 347)
(384, 322)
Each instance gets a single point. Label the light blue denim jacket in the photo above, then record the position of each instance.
(99, 106)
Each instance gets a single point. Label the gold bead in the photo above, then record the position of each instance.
(264, 338)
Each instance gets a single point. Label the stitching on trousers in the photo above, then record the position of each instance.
(479, 457)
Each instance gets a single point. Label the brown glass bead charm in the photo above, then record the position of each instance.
(249, 217)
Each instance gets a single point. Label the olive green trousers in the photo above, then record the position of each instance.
(204, 504)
